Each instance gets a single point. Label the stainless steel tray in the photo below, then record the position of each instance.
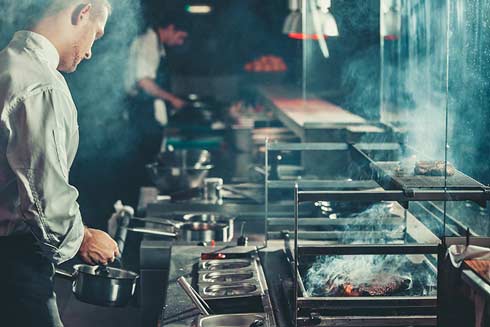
(226, 264)
(227, 277)
(230, 320)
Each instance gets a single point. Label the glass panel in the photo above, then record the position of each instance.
(413, 50)
(469, 95)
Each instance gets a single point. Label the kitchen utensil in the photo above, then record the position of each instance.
(198, 301)
(212, 190)
(194, 158)
(101, 285)
(173, 179)
(231, 320)
(242, 240)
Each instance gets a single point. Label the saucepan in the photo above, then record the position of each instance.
(101, 285)
(193, 228)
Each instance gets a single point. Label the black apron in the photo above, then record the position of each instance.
(147, 131)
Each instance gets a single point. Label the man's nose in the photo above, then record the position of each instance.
(88, 55)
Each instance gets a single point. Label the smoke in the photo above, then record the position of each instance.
(98, 88)
(360, 78)
(329, 272)
(414, 77)
(97, 85)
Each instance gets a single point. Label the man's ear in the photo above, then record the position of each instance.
(81, 13)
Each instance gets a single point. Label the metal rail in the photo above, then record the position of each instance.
(350, 222)
(341, 235)
(368, 249)
(395, 195)
(378, 302)
(369, 321)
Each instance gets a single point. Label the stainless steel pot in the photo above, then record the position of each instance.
(215, 219)
(101, 285)
(194, 227)
(204, 232)
(174, 179)
(184, 158)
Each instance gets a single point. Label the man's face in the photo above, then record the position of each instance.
(87, 32)
(171, 36)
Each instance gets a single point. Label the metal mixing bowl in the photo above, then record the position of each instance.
(173, 179)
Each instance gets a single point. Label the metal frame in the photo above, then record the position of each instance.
(305, 146)
(393, 195)
(371, 196)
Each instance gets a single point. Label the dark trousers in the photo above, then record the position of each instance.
(27, 295)
(145, 142)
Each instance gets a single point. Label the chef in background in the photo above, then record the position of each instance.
(148, 85)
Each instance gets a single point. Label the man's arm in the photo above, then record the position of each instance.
(43, 131)
(152, 88)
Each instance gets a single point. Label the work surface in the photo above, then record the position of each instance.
(299, 111)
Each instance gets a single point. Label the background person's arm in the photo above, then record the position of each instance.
(149, 86)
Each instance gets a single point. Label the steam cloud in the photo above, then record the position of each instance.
(328, 272)
(97, 86)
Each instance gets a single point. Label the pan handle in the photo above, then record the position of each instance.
(159, 221)
(150, 231)
(64, 274)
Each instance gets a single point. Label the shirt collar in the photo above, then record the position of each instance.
(41, 46)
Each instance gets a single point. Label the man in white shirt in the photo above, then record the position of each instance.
(40, 221)
(147, 84)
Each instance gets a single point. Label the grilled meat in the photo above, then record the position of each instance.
(382, 285)
(433, 168)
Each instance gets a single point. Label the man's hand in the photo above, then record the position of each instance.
(98, 247)
(177, 103)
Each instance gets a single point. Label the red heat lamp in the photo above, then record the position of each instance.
(302, 36)
(391, 37)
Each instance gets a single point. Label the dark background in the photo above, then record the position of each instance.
(219, 45)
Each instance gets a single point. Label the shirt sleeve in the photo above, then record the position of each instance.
(42, 132)
(146, 58)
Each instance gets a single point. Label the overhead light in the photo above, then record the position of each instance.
(327, 20)
(198, 9)
(319, 21)
(293, 23)
(390, 20)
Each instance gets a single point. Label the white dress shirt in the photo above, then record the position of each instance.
(145, 55)
(38, 143)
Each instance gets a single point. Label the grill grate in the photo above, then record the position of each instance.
(458, 181)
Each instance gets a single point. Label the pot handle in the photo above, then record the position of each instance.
(151, 232)
(64, 274)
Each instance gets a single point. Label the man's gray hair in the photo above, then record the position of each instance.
(98, 5)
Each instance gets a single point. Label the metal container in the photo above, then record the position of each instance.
(174, 179)
(184, 158)
(229, 264)
(215, 219)
(100, 285)
(212, 190)
(204, 232)
(232, 320)
(231, 290)
(218, 277)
